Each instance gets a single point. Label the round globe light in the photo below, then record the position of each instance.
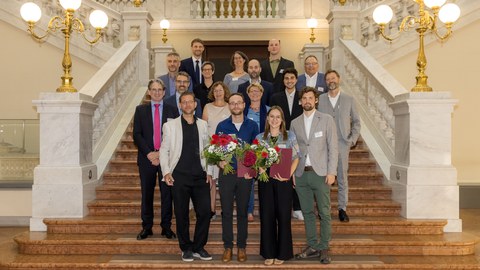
(383, 14)
(31, 12)
(312, 23)
(434, 3)
(164, 24)
(71, 4)
(449, 13)
(98, 19)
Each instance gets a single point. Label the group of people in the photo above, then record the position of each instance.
(262, 100)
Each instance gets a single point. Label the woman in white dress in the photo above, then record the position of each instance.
(238, 76)
(214, 113)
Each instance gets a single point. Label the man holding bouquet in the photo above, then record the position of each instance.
(232, 187)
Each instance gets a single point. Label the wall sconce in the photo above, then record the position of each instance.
(164, 25)
(424, 22)
(31, 13)
(312, 24)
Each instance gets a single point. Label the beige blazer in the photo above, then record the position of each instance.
(321, 145)
(172, 139)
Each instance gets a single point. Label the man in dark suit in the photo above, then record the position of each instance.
(147, 136)
(312, 77)
(182, 84)
(288, 100)
(254, 71)
(192, 65)
(273, 67)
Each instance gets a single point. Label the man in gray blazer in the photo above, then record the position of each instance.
(173, 65)
(317, 139)
(184, 169)
(342, 108)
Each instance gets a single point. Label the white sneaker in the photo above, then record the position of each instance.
(298, 215)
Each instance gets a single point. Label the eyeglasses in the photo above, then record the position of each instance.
(187, 102)
(206, 69)
(182, 82)
(255, 91)
(234, 104)
(310, 64)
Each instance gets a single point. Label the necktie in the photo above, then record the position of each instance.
(197, 71)
(157, 133)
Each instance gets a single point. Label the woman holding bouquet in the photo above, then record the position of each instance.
(275, 195)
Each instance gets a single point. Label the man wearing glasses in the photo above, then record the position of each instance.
(182, 83)
(312, 77)
(231, 187)
(147, 134)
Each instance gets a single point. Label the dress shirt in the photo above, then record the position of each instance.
(311, 81)
(333, 100)
(274, 66)
(308, 124)
(290, 98)
(199, 65)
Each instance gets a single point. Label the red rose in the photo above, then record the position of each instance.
(223, 141)
(255, 141)
(264, 154)
(249, 158)
(277, 148)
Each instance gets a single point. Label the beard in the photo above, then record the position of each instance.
(307, 107)
(332, 86)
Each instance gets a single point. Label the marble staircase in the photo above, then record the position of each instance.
(375, 238)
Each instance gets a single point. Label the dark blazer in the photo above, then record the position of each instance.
(280, 99)
(267, 91)
(143, 130)
(173, 103)
(277, 80)
(320, 85)
(263, 113)
(188, 66)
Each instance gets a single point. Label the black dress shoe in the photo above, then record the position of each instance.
(144, 234)
(342, 215)
(168, 233)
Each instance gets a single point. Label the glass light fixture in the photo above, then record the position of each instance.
(449, 13)
(70, 4)
(98, 19)
(30, 12)
(383, 14)
(164, 24)
(312, 23)
(434, 3)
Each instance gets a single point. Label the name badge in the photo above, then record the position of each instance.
(234, 78)
(320, 89)
(282, 145)
(281, 71)
(318, 134)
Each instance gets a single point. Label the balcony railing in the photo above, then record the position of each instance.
(230, 9)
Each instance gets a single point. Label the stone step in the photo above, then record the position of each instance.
(95, 244)
(377, 208)
(131, 154)
(133, 179)
(109, 192)
(172, 261)
(359, 165)
(364, 225)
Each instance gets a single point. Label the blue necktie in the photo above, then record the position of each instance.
(197, 72)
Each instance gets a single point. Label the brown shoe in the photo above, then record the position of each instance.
(227, 255)
(241, 255)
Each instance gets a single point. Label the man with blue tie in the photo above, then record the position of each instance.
(147, 135)
(192, 65)
(312, 76)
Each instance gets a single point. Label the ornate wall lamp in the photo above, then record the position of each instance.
(164, 25)
(312, 24)
(425, 21)
(31, 13)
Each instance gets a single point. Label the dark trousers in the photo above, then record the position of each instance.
(295, 200)
(233, 188)
(275, 199)
(184, 188)
(148, 181)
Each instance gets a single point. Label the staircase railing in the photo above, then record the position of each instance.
(374, 89)
(115, 88)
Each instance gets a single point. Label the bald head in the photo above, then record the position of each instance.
(254, 69)
(274, 48)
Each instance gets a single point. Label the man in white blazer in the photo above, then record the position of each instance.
(342, 108)
(312, 77)
(317, 139)
(184, 169)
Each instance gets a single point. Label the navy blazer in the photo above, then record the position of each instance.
(277, 81)
(143, 130)
(166, 80)
(171, 101)
(320, 85)
(188, 66)
(280, 99)
(267, 91)
(263, 114)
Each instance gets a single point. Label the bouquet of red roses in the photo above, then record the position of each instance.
(259, 154)
(221, 148)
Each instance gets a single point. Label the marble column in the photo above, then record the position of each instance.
(423, 178)
(66, 178)
(160, 56)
